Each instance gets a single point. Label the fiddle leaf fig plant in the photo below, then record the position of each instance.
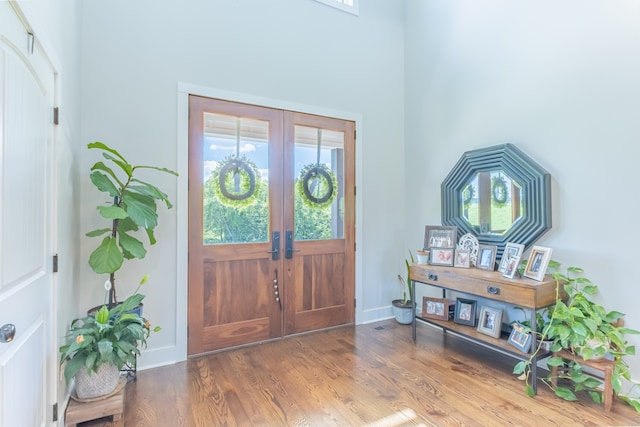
(133, 211)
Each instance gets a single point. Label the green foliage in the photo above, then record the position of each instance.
(224, 224)
(318, 185)
(134, 209)
(112, 336)
(587, 329)
(237, 181)
(405, 283)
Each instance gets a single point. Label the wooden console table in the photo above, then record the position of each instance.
(521, 292)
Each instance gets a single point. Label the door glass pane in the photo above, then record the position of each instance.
(236, 171)
(319, 183)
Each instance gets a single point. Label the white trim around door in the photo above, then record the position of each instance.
(184, 90)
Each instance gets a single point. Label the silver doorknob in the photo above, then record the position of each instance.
(7, 332)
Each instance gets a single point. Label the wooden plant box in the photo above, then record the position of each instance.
(78, 412)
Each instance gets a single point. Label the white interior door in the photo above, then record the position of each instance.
(26, 145)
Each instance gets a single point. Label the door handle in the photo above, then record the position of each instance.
(288, 245)
(7, 332)
(275, 246)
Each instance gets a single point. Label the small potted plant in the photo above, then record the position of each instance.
(100, 346)
(133, 212)
(586, 329)
(403, 308)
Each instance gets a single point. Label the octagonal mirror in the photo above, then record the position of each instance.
(500, 195)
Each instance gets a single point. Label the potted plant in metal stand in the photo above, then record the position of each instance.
(133, 211)
(99, 346)
(403, 308)
(110, 336)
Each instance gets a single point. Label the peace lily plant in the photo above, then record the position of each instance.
(112, 337)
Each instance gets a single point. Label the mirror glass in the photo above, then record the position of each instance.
(491, 202)
(498, 194)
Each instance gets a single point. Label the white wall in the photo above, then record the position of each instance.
(559, 80)
(134, 54)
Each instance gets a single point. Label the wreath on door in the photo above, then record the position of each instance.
(467, 195)
(317, 185)
(498, 191)
(236, 182)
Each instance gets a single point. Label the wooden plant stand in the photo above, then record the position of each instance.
(78, 412)
(603, 365)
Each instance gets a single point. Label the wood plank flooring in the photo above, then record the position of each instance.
(367, 375)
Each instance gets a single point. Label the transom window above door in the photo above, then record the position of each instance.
(349, 6)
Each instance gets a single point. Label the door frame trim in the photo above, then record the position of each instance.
(182, 156)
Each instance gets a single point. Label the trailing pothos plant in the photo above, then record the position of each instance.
(588, 330)
(134, 209)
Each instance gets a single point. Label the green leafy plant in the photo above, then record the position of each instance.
(586, 329)
(112, 336)
(134, 209)
(407, 294)
(541, 320)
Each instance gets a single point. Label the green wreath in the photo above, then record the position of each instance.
(498, 191)
(236, 182)
(317, 185)
(467, 194)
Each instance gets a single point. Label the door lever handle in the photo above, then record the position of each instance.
(275, 246)
(288, 246)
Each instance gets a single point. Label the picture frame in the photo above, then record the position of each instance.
(436, 236)
(486, 257)
(437, 308)
(441, 256)
(519, 338)
(490, 321)
(511, 267)
(510, 249)
(462, 258)
(538, 262)
(465, 313)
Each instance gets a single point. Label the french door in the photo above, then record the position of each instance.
(271, 223)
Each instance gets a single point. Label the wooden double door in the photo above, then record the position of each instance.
(271, 223)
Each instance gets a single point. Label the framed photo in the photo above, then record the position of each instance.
(490, 321)
(511, 249)
(441, 256)
(511, 267)
(465, 312)
(538, 262)
(437, 308)
(440, 237)
(519, 339)
(486, 257)
(462, 258)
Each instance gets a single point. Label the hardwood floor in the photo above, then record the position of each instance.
(368, 375)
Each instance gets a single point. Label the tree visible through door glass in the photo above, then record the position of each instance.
(318, 203)
(236, 179)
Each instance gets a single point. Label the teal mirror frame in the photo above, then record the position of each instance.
(536, 194)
